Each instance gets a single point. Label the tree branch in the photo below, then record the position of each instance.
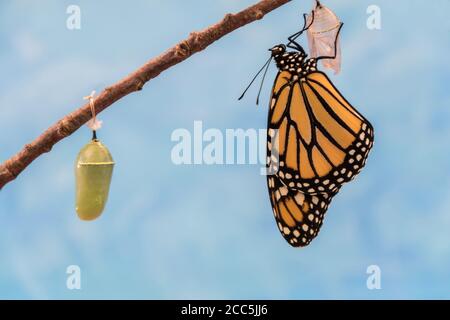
(197, 41)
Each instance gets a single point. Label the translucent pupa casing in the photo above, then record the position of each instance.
(322, 37)
(93, 173)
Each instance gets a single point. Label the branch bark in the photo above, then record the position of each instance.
(197, 41)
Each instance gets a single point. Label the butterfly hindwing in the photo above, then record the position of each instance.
(299, 216)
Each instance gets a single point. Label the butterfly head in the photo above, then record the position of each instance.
(279, 53)
(278, 50)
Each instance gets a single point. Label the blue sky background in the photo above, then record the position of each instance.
(208, 231)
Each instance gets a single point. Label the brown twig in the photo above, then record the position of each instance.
(197, 41)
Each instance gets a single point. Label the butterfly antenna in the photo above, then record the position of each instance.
(254, 78)
(262, 81)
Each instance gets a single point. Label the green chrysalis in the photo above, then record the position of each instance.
(93, 172)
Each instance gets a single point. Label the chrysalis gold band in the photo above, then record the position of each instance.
(328, 30)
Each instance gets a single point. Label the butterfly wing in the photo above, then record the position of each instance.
(322, 142)
(316, 142)
(299, 216)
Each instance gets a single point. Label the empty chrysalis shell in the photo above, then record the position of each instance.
(93, 172)
(322, 37)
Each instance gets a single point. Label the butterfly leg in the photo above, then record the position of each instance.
(335, 45)
(292, 43)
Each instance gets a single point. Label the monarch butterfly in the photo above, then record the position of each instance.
(316, 141)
